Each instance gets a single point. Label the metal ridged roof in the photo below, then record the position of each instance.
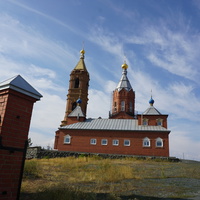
(112, 124)
(124, 82)
(77, 112)
(151, 111)
(17, 83)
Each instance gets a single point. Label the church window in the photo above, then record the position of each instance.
(76, 85)
(115, 106)
(127, 142)
(104, 142)
(67, 139)
(122, 105)
(146, 142)
(130, 107)
(115, 142)
(159, 142)
(93, 141)
(145, 122)
(159, 122)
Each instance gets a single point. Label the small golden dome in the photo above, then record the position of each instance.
(82, 51)
(124, 66)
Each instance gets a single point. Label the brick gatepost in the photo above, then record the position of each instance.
(16, 103)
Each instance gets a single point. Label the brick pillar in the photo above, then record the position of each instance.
(16, 103)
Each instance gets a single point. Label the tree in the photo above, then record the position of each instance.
(29, 142)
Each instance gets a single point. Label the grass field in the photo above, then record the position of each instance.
(112, 179)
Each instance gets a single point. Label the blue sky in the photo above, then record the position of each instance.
(41, 40)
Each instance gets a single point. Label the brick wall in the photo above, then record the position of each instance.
(152, 119)
(15, 113)
(80, 142)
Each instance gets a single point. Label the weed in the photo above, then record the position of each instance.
(31, 169)
(97, 178)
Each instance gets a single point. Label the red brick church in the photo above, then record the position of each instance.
(124, 132)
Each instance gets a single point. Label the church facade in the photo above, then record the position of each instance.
(124, 132)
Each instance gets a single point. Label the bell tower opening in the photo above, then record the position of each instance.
(76, 85)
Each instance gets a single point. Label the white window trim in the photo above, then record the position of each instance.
(69, 137)
(159, 140)
(127, 145)
(93, 141)
(146, 140)
(115, 144)
(104, 140)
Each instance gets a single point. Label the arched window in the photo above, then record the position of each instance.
(67, 139)
(146, 142)
(159, 142)
(115, 106)
(159, 122)
(145, 121)
(122, 105)
(76, 85)
(130, 107)
(74, 105)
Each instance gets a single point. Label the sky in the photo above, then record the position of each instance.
(159, 39)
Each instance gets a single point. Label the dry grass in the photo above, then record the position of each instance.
(87, 177)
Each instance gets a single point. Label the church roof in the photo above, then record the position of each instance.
(77, 112)
(124, 82)
(81, 64)
(113, 124)
(18, 84)
(151, 111)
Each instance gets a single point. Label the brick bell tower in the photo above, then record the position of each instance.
(123, 103)
(78, 88)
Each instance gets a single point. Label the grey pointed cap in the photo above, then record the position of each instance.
(19, 84)
(124, 82)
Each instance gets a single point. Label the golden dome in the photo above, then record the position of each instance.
(124, 66)
(82, 51)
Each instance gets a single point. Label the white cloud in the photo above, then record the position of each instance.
(41, 71)
(18, 40)
(44, 15)
(183, 146)
(48, 113)
(107, 41)
(25, 50)
(98, 105)
(174, 51)
(41, 139)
